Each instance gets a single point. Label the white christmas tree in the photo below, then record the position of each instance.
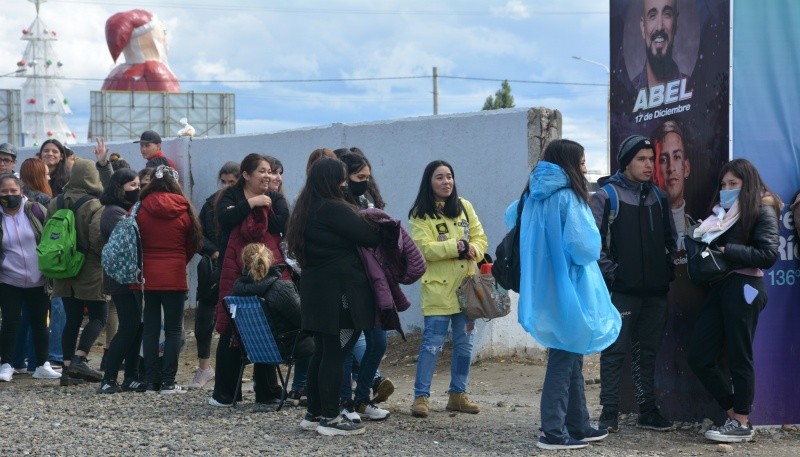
(43, 103)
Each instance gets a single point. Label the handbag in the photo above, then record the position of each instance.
(705, 262)
(481, 297)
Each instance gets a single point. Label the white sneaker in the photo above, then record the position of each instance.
(213, 402)
(201, 378)
(351, 414)
(6, 372)
(372, 412)
(46, 372)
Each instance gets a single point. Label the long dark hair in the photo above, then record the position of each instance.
(249, 164)
(114, 194)
(425, 203)
(752, 193)
(567, 154)
(60, 176)
(323, 182)
(355, 161)
(167, 183)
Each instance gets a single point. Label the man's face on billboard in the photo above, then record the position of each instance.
(673, 167)
(659, 22)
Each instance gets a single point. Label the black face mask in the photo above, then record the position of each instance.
(132, 196)
(357, 188)
(11, 201)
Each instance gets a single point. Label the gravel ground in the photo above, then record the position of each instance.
(41, 418)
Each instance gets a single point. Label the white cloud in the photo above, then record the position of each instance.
(513, 9)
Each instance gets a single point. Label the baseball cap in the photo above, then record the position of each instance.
(8, 148)
(149, 136)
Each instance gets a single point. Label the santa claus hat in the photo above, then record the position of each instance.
(121, 27)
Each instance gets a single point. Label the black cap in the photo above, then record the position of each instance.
(149, 136)
(629, 147)
(8, 148)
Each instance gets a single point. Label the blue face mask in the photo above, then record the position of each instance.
(728, 197)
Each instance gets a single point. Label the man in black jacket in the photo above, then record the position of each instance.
(638, 236)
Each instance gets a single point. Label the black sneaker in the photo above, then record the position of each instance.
(67, 379)
(592, 435)
(171, 388)
(569, 443)
(80, 369)
(269, 406)
(732, 432)
(653, 420)
(382, 388)
(108, 387)
(339, 425)
(297, 398)
(152, 388)
(132, 385)
(309, 422)
(609, 420)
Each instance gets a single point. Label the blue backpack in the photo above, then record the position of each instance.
(123, 258)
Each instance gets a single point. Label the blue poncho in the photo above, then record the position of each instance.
(563, 300)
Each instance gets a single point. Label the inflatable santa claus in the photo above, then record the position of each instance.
(142, 38)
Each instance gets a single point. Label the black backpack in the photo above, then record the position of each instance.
(506, 267)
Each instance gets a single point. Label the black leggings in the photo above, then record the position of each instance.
(171, 302)
(204, 317)
(13, 298)
(726, 326)
(325, 373)
(226, 374)
(128, 340)
(73, 307)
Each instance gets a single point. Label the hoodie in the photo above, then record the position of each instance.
(88, 284)
(563, 300)
(166, 231)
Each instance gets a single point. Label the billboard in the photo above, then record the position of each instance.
(670, 82)
(766, 131)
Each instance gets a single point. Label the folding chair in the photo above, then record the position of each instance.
(259, 344)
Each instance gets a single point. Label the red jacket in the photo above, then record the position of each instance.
(166, 230)
(151, 75)
(252, 230)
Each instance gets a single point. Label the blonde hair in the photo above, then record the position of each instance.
(257, 258)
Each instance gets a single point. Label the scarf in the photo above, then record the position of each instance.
(717, 223)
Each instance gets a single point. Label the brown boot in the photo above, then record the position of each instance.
(420, 406)
(460, 402)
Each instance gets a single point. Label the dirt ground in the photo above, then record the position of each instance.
(507, 389)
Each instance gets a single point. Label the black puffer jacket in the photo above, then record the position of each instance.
(761, 250)
(281, 304)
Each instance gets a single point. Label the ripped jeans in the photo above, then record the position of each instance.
(432, 340)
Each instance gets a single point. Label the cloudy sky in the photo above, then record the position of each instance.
(474, 44)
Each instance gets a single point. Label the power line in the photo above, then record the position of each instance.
(328, 80)
(336, 11)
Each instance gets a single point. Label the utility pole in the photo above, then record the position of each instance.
(435, 90)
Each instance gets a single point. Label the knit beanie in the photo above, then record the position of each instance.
(629, 147)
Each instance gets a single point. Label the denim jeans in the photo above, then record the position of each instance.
(23, 345)
(368, 353)
(300, 377)
(58, 318)
(433, 337)
(563, 404)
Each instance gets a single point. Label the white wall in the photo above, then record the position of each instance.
(491, 153)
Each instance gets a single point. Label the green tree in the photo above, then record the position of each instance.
(502, 98)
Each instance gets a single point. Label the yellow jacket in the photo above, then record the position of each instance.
(438, 239)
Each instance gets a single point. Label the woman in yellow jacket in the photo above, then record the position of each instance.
(450, 236)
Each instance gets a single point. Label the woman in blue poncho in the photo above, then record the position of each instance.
(564, 303)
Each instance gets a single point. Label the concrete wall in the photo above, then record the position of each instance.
(491, 153)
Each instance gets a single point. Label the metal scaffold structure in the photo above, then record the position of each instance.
(44, 106)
